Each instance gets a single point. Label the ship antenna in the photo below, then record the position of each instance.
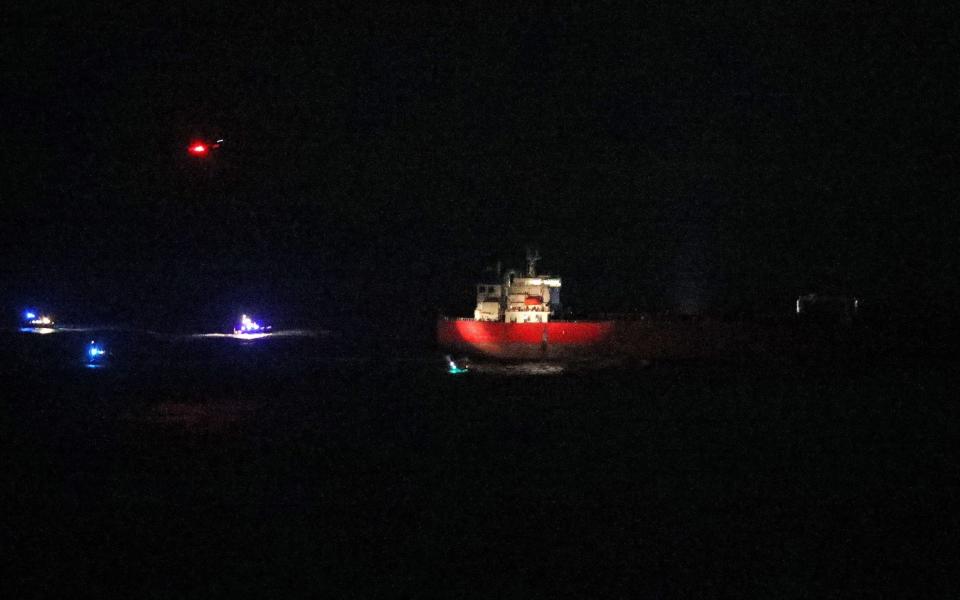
(533, 255)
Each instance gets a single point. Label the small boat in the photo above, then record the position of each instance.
(248, 326)
(454, 368)
(95, 352)
(36, 320)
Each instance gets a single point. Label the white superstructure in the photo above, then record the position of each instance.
(529, 299)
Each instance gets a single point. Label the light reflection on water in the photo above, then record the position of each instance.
(59, 329)
(236, 336)
(257, 336)
(37, 330)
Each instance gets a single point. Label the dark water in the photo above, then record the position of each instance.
(198, 467)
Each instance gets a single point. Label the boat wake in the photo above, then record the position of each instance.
(527, 369)
(542, 368)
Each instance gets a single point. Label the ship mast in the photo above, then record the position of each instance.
(533, 255)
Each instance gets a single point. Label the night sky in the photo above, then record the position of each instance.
(377, 160)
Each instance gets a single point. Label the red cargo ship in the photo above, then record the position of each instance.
(514, 319)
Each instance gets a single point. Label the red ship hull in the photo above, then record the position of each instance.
(643, 339)
(496, 339)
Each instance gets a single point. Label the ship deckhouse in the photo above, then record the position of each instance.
(531, 298)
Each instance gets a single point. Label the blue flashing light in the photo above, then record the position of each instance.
(29, 315)
(94, 351)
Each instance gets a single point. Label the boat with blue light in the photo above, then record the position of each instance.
(96, 355)
(248, 326)
(33, 320)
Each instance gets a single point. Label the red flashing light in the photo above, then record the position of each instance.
(198, 149)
